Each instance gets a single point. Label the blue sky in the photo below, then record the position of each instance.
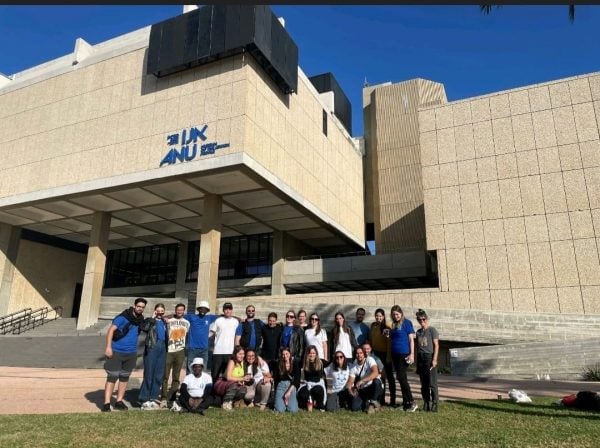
(469, 52)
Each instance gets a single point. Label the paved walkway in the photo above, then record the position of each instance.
(28, 390)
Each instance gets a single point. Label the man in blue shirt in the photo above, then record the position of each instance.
(121, 352)
(249, 333)
(361, 330)
(197, 343)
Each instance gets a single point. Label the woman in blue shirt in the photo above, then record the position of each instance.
(402, 337)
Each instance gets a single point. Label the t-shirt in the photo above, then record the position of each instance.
(359, 371)
(196, 386)
(262, 369)
(400, 337)
(344, 344)
(339, 378)
(361, 331)
(425, 339)
(177, 330)
(224, 328)
(316, 340)
(199, 327)
(128, 343)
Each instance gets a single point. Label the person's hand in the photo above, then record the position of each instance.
(434, 363)
(412, 358)
(108, 352)
(359, 384)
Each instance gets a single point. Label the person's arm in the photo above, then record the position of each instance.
(238, 334)
(370, 377)
(325, 349)
(109, 336)
(411, 340)
(350, 384)
(436, 351)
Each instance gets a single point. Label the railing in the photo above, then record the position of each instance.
(28, 319)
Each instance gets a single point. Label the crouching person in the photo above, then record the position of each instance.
(230, 387)
(367, 388)
(195, 391)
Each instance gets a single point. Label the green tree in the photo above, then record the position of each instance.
(486, 9)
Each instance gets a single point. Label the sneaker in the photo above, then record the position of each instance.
(227, 406)
(250, 405)
(263, 407)
(377, 405)
(371, 409)
(176, 407)
(434, 407)
(412, 408)
(106, 407)
(164, 404)
(150, 405)
(121, 406)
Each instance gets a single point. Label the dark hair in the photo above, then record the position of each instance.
(334, 363)
(159, 305)
(140, 299)
(357, 348)
(312, 366)
(317, 326)
(336, 327)
(272, 315)
(281, 364)
(421, 314)
(361, 309)
(398, 309)
(254, 365)
(180, 305)
(383, 324)
(236, 350)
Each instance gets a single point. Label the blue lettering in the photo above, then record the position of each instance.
(208, 148)
(189, 157)
(168, 159)
(173, 139)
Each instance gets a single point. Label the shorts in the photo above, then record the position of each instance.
(120, 366)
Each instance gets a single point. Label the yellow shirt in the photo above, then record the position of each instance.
(238, 370)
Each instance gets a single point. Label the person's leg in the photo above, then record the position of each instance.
(424, 378)
(317, 394)
(219, 363)
(264, 391)
(303, 396)
(389, 375)
(377, 390)
(127, 366)
(109, 388)
(280, 390)
(168, 369)
(250, 393)
(178, 361)
(401, 367)
(158, 373)
(293, 402)
(356, 403)
(184, 400)
(433, 384)
(149, 365)
(112, 366)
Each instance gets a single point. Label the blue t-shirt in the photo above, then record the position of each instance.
(286, 335)
(198, 332)
(128, 343)
(400, 338)
(361, 331)
(161, 330)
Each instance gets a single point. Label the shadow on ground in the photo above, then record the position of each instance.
(533, 409)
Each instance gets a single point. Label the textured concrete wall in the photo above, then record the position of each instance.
(395, 161)
(39, 280)
(109, 118)
(512, 204)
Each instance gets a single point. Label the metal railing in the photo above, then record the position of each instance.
(28, 319)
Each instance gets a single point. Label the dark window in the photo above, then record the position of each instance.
(324, 122)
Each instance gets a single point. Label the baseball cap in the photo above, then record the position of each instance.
(227, 306)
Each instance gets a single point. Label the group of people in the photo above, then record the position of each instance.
(286, 366)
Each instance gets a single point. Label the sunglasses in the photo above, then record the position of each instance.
(289, 316)
(421, 320)
(339, 357)
(250, 311)
(314, 318)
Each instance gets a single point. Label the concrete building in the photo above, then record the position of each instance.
(146, 165)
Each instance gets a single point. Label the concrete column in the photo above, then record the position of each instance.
(210, 246)
(10, 236)
(277, 286)
(182, 256)
(94, 271)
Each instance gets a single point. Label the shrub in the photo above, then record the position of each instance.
(591, 373)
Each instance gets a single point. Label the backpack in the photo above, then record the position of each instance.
(118, 334)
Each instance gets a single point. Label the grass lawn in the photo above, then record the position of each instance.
(459, 423)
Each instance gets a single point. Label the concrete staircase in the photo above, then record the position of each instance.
(63, 327)
(538, 360)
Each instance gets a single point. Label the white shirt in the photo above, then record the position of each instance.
(361, 371)
(224, 329)
(343, 344)
(339, 378)
(195, 386)
(263, 369)
(316, 340)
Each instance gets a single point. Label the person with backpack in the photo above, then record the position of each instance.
(121, 352)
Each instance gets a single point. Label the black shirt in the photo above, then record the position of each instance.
(271, 337)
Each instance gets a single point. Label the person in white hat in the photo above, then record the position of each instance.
(197, 343)
(195, 391)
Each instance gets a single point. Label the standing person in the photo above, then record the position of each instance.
(249, 333)
(380, 340)
(317, 336)
(121, 352)
(292, 337)
(367, 384)
(343, 336)
(197, 342)
(287, 380)
(360, 329)
(428, 348)
(224, 330)
(403, 354)
(271, 336)
(339, 374)
(155, 354)
(311, 393)
(302, 323)
(177, 329)
(258, 389)
(195, 393)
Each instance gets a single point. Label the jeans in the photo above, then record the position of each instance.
(258, 392)
(154, 369)
(280, 391)
(372, 392)
(173, 367)
(428, 377)
(196, 353)
(401, 366)
(389, 376)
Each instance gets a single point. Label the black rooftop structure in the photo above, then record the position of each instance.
(326, 82)
(215, 32)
